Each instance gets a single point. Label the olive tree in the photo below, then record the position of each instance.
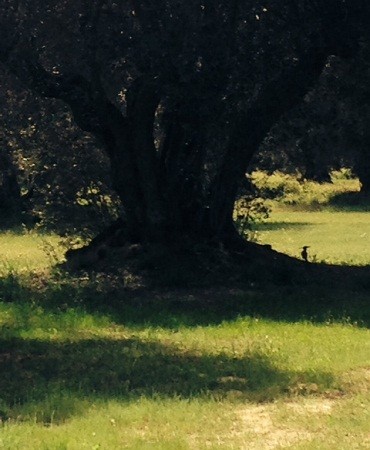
(178, 94)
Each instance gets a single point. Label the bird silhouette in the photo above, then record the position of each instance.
(304, 252)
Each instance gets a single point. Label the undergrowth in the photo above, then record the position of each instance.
(295, 190)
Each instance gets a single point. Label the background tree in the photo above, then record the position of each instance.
(59, 175)
(329, 129)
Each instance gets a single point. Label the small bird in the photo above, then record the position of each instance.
(304, 252)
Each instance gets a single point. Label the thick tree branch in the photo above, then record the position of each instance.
(277, 98)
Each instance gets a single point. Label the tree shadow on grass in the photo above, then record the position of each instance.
(37, 378)
(351, 202)
(275, 226)
(172, 309)
(285, 304)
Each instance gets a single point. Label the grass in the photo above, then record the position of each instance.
(88, 364)
(332, 218)
(26, 251)
(141, 385)
(334, 237)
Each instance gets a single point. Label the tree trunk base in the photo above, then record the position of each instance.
(194, 263)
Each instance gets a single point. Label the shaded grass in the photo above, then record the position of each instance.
(284, 225)
(37, 376)
(350, 202)
(74, 300)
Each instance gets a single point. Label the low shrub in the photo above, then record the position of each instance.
(295, 190)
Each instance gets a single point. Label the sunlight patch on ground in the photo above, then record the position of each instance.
(303, 422)
(312, 406)
(264, 433)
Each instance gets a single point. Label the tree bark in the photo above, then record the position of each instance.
(161, 191)
(275, 99)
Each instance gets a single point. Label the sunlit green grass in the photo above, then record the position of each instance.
(334, 237)
(263, 368)
(25, 252)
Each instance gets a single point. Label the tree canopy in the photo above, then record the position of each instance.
(178, 95)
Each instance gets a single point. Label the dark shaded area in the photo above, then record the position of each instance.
(351, 201)
(334, 293)
(31, 370)
(273, 226)
(212, 307)
(179, 307)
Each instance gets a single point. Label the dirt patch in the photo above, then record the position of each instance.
(258, 421)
